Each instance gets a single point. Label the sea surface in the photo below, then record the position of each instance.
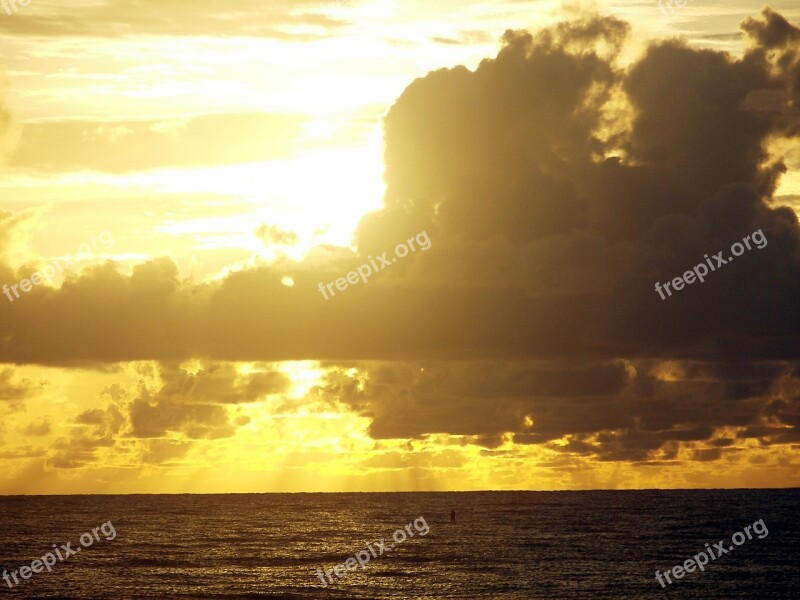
(520, 545)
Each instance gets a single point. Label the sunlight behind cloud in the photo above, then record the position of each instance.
(323, 208)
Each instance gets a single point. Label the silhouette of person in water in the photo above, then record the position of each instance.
(453, 516)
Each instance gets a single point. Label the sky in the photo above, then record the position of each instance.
(357, 245)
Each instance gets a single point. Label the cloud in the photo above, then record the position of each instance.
(14, 390)
(22, 452)
(270, 234)
(76, 452)
(158, 452)
(614, 411)
(550, 225)
(125, 146)
(193, 404)
(98, 429)
(38, 429)
(466, 37)
(557, 186)
(290, 20)
(93, 416)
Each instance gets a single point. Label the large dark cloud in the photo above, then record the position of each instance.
(612, 411)
(518, 158)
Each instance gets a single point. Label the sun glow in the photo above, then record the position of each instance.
(319, 197)
(304, 375)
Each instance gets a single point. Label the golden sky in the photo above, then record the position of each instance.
(191, 175)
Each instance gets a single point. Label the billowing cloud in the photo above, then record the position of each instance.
(14, 389)
(193, 404)
(616, 411)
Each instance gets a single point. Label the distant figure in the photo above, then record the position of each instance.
(453, 516)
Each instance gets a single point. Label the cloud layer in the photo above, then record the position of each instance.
(557, 187)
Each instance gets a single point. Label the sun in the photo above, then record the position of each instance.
(317, 198)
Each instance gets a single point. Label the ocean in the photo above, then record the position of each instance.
(515, 545)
